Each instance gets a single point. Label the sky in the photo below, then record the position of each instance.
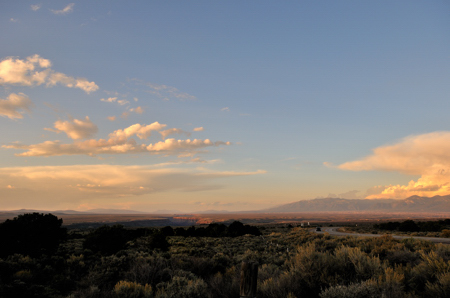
(224, 105)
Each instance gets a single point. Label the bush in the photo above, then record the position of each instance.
(106, 240)
(127, 289)
(183, 287)
(355, 290)
(31, 234)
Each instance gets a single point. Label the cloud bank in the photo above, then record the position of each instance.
(77, 184)
(120, 141)
(427, 155)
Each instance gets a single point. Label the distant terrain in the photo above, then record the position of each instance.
(411, 204)
(332, 210)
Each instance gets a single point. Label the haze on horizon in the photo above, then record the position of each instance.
(226, 105)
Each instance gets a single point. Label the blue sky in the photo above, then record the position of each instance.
(286, 102)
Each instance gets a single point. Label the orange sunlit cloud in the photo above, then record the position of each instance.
(427, 155)
(35, 71)
(15, 106)
(120, 142)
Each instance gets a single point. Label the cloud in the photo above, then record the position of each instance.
(226, 109)
(35, 71)
(165, 92)
(77, 129)
(141, 131)
(65, 10)
(13, 20)
(110, 99)
(111, 118)
(35, 7)
(171, 145)
(77, 184)
(138, 110)
(15, 106)
(119, 142)
(412, 155)
(172, 131)
(198, 129)
(114, 99)
(427, 155)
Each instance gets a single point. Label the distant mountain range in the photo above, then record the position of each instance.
(411, 204)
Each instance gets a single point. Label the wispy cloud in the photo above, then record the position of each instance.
(65, 10)
(13, 20)
(163, 91)
(35, 7)
(226, 109)
(121, 102)
(427, 155)
(15, 106)
(35, 71)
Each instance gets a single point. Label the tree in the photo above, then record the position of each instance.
(107, 240)
(31, 234)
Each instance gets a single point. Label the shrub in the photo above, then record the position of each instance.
(355, 290)
(441, 288)
(183, 287)
(127, 289)
(106, 240)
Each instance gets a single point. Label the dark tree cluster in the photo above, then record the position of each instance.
(235, 229)
(31, 234)
(412, 226)
(108, 240)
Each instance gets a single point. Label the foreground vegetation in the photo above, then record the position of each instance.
(205, 262)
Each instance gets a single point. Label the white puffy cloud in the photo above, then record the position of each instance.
(15, 105)
(119, 142)
(65, 10)
(35, 71)
(141, 131)
(77, 129)
(427, 155)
